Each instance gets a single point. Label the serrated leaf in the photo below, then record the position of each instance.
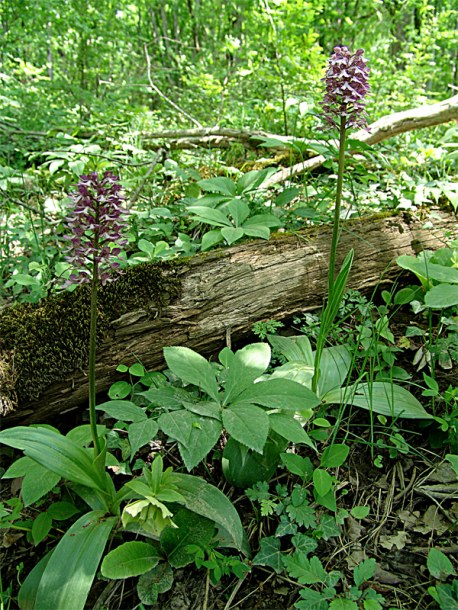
(130, 559)
(191, 529)
(343, 604)
(306, 571)
(203, 435)
(140, 433)
(269, 554)
(124, 410)
(245, 366)
(300, 510)
(248, 424)
(364, 571)
(177, 425)
(288, 427)
(191, 367)
(334, 456)
(311, 600)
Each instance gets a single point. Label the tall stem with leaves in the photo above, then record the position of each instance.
(343, 106)
(96, 222)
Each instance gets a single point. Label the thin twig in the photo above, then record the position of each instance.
(159, 92)
(159, 159)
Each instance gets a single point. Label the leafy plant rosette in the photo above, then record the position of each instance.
(438, 275)
(227, 205)
(146, 505)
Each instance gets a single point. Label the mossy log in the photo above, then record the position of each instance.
(202, 303)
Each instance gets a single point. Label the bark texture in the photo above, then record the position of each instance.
(222, 293)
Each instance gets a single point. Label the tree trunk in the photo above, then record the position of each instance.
(221, 294)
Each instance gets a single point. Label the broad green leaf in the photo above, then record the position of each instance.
(208, 501)
(306, 571)
(388, 399)
(177, 425)
(207, 408)
(231, 234)
(270, 554)
(248, 424)
(288, 427)
(334, 456)
(426, 271)
(140, 433)
(167, 397)
(28, 591)
(56, 452)
(245, 366)
(191, 529)
(68, 576)
(38, 480)
(256, 231)
(360, 512)
(220, 185)
(209, 216)
(81, 435)
(294, 349)
(322, 481)
(191, 367)
(41, 527)
(243, 467)
(439, 565)
(253, 180)
(119, 390)
(130, 559)
(263, 220)
(442, 296)
(239, 211)
(153, 583)
(334, 366)
(203, 435)
(146, 246)
(280, 394)
(364, 571)
(123, 410)
(211, 238)
(60, 511)
(296, 464)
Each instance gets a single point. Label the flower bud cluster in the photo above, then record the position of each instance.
(347, 85)
(97, 222)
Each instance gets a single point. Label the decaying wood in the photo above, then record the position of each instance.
(386, 127)
(225, 291)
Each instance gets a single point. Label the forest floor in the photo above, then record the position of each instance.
(413, 501)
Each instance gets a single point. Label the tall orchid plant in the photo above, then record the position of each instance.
(96, 222)
(346, 87)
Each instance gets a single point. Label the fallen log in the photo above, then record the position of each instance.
(201, 302)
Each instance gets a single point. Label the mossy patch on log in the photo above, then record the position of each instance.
(41, 342)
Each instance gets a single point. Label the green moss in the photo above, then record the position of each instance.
(49, 339)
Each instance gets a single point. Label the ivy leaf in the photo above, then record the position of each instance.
(248, 424)
(304, 544)
(327, 527)
(270, 554)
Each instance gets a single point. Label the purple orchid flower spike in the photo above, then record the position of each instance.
(97, 224)
(347, 85)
